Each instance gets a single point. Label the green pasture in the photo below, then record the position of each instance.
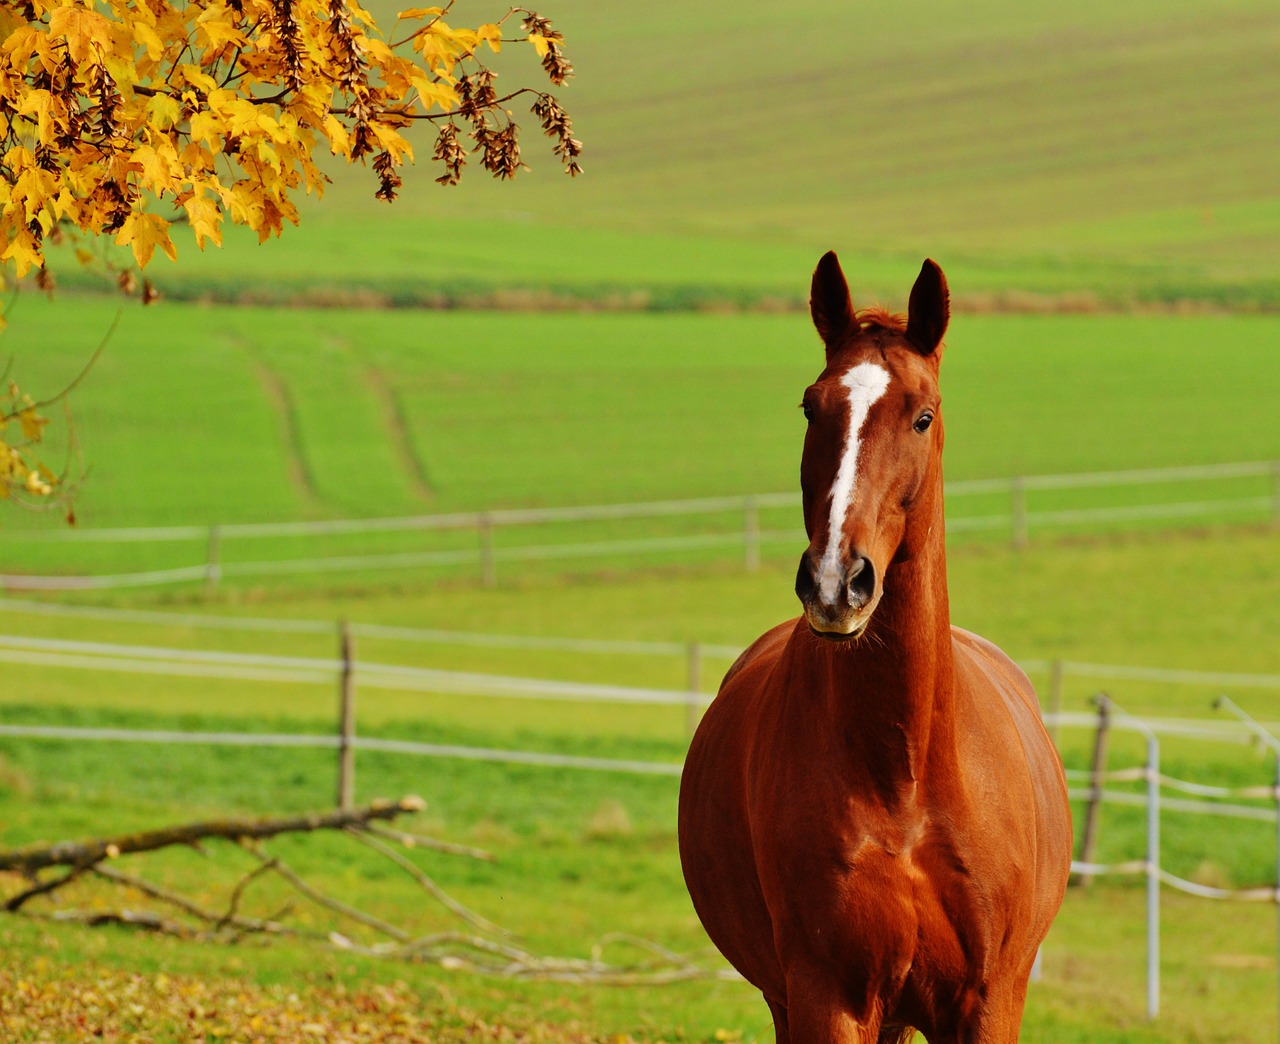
(283, 414)
(1097, 154)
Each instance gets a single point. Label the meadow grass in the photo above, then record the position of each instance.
(285, 414)
(1107, 154)
(560, 883)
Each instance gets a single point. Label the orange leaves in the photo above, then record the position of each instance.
(119, 117)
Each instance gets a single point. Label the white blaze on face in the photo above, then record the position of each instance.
(866, 383)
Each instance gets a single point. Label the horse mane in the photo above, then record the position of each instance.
(878, 318)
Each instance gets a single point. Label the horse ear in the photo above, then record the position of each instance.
(928, 309)
(829, 301)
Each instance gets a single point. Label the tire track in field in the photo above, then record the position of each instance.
(395, 422)
(288, 428)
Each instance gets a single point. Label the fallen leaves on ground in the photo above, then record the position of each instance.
(41, 1001)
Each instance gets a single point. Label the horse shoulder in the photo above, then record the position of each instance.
(714, 818)
(1033, 783)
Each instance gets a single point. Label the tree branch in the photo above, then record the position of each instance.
(85, 853)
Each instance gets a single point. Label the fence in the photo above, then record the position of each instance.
(1259, 497)
(345, 671)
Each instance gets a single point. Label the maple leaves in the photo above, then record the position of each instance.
(120, 117)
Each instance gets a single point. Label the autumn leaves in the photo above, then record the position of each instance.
(121, 118)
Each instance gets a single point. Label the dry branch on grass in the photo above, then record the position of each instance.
(486, 948)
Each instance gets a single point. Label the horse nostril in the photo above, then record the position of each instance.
(860, 583)
(806, 585)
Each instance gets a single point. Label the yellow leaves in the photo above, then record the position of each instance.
(17, 472)
(206, 220)
(40, 104)
(144, 232)
(159, 166)
(146, 37)
(82, 29)
(119, 116)
(216, 28)
(163, 111)
(490, 34)
(24, 252)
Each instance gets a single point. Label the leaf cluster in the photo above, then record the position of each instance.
(118, 117)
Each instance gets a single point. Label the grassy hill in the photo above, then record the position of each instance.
(1100, 152)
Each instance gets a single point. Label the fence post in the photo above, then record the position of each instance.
(1153, 875)
(346, 720)
(1275, 494)
(484, 527)
(1018, 510)
(1093, 810)
(213, 565)
(1276, 896)
(1055, 698)
(751, 532)
(692, 706)
(1264, 736)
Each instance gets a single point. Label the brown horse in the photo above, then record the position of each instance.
(873, 823)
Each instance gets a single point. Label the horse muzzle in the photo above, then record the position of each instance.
(837, 600)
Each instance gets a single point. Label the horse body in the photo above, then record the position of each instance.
(874, 829)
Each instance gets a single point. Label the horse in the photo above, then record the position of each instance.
(873, 822)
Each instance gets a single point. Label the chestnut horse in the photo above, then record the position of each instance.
(873, 822)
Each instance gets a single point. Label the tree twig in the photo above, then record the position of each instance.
(410, 840)
(336, 905)
(429, 886)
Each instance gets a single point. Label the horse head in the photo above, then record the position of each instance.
(871, 473)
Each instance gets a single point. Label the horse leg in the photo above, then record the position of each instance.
(999, 1019)
(815, 1015)
(781, 1032)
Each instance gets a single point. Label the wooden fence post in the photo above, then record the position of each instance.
(1055, 698)
(1018, 511)
(751, 533)
(346, 721)
(1089, 841)
(488, 571)
(693, 709)
(1275, 494)
(213, 564)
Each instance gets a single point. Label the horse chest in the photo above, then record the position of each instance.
(880, 892)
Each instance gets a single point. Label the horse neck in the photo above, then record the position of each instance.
(892, 689)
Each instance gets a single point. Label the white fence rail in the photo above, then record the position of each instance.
(1018, 519)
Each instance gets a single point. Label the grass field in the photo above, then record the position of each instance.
(291, 414)
(1102, 153)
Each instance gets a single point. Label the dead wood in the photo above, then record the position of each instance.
(488, 949)
(33, 858)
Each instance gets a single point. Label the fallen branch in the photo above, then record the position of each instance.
(86, 853)
(488, 950)
(428, 885)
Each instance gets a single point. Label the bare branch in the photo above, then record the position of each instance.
(84, 853)
(429, 886)
(410, 840)
(336, 905)
(44, 888)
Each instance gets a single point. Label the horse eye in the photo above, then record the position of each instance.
(922, 423)
(808, 411)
